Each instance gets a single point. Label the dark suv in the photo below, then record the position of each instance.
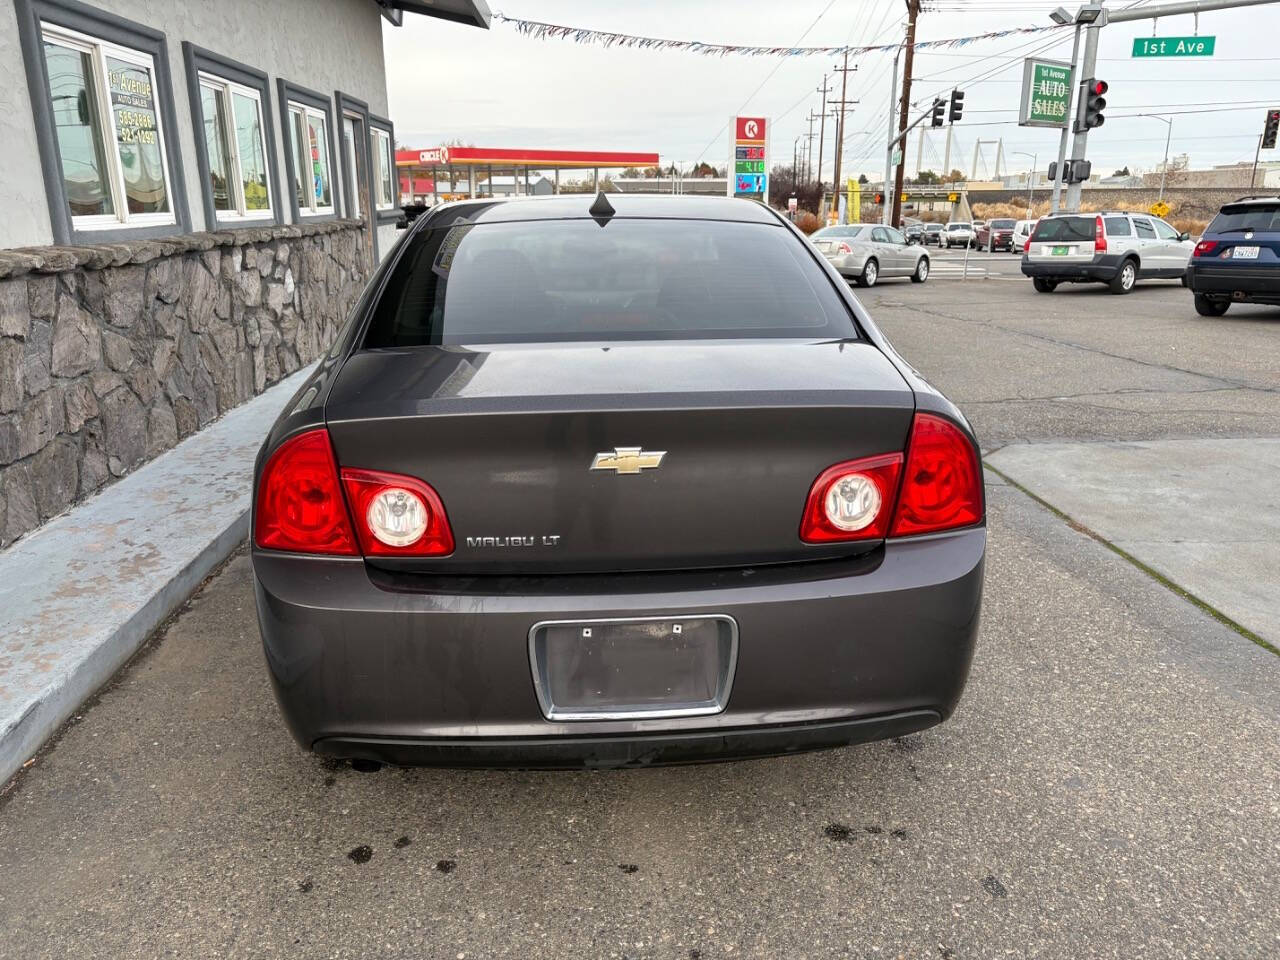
(1238, 258)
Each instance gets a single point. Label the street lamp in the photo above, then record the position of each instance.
(1031, 175)
(1168, 135)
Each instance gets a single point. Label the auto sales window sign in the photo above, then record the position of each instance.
(1046, 93)
(749, 158)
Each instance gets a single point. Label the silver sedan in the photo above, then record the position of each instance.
(865, 252)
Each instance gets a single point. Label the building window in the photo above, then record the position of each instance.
(235, 148)
(355, 163)
(384, 169)
(309, 145)
(107, 125)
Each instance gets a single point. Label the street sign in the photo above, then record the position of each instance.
(1173, 46)
(749, 158)
(1046, 93)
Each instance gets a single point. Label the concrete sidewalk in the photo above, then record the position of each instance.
(1203, 513)
(81, 594)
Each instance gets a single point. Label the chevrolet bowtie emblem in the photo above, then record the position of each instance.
(628, 460)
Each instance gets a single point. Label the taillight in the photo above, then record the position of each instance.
(397, 516)
(938, 487)
(942, 481)
(845, 248)
(1205, 247)
(1099, 237)
(1026, 247)
(300, 505)
(852, 500)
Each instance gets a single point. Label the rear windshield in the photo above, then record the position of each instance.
(959, 226)
(630, 279)
(1066, 228)
(837, 232)
(1263, 217)
(1002, 224)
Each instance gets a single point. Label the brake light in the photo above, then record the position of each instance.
(845, 248)
(1026, 247)
(397, 516)
(852, 500)
(1099, 237)
(300, 505)
(942, 482)
(1205, 247)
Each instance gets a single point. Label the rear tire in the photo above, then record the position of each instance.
(1125, 278)
(870, 273)
(1044, 286)
(1207, 307)
(922, 271)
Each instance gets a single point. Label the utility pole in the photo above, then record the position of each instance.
(822, 125)
(913, 12)
(808, 164)
(844, 89)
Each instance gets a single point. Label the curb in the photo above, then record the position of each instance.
(82, 593)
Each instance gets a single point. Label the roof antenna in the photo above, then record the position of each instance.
(601, 209)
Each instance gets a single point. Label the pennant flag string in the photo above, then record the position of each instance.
(554, 31)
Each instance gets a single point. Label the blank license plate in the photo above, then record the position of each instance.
(1062, 251)
(621, 669)
(1244, 253)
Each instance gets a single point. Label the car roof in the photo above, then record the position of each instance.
(574, 205)
(1257, 198)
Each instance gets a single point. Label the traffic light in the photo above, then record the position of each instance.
(1092, 105)
(879, 199)
(957, 105)
(939, 112)
(1269, 131)
(1078, 171)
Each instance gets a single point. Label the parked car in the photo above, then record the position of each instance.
(1238, 258)
(914, 233)
(1021, 234)
(996, 235)
(932, 234)
(1114, 248)
(958, 234)
(866, 253)
(643, 488)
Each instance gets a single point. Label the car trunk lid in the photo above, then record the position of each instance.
(730, 437)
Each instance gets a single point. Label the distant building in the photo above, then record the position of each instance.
(1235, 175)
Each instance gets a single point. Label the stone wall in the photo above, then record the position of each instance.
(109, 355)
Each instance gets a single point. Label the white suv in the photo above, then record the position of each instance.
(958, 234)
(1112, 248)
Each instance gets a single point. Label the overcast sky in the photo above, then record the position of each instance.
(498, 88)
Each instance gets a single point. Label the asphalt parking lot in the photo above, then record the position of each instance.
(1110, 786)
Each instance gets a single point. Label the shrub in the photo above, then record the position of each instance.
(807, 222)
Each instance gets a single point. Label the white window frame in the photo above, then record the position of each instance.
(222, 87)
(380, 140)
(98, 51)
(349, 156)
(308, 112)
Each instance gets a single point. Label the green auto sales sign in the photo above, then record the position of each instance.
(1046, 93)
(1173, 46)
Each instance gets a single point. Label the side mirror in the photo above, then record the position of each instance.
(1184, 236)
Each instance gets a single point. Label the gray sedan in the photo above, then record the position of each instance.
(865, 252)
(613, 483)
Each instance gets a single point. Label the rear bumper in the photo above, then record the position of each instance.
(1099, 270)
(570, 753)
(437, 670)
(1255, 284)
(849, 264)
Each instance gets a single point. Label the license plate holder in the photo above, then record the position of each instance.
(1061, 251)
(1244, 253)
(680, 665)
